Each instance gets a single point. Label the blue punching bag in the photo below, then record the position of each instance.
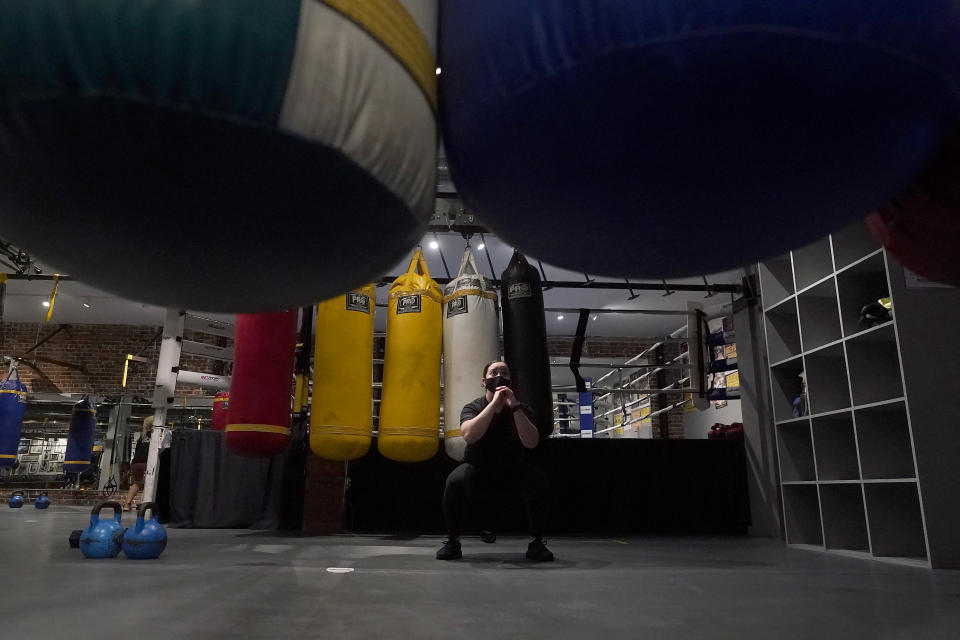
(83, 425)
(13, 402)
(666, 138)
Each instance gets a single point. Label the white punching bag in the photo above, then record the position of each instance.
(471, 339)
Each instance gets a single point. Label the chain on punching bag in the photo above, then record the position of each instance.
(13, 402)
(83, 424)
(525, 339)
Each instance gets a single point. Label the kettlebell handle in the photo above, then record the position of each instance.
(117, 509)
(142, 511)
(16, 493)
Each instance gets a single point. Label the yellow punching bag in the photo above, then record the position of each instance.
(340, 417)
(410, 402)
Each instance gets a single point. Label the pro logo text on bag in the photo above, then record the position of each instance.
(358, 302)
(408, 304)
(519, 290)
(457, 306)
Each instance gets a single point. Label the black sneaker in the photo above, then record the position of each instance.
(488, 536)
(450, 550)
(538, 552)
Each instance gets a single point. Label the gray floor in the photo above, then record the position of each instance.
(243, 584)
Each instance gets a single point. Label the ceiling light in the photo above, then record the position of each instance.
(434, 244)
(560, 317)
(595, 317)
(438, 70)
(480, 247)
(86, 306)
(45, 303)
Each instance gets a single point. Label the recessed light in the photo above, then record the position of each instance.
(480, 247)
(434, 244)
(45, 303)
(595, 317)
(86, 306)
(438, 70)
(560, 317)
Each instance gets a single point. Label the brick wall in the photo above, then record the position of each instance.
(100, 351)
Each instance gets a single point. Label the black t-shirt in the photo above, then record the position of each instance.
(500, 445)
(142, 452)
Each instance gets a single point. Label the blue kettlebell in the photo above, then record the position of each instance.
(42, 501)
(146, 539)
(102, 538)
(16, 499)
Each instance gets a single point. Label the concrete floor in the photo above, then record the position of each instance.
(244, 584)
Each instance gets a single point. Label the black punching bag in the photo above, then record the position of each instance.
(525, 339)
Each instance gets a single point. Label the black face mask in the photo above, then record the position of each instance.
(496, 381)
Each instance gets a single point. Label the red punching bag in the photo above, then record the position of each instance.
(258, 422)
(221, 403)
(921, 227)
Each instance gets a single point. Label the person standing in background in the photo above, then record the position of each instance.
(138, 465)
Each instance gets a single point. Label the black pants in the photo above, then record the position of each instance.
(481, 486)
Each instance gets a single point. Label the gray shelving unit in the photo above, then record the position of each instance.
(849, 465)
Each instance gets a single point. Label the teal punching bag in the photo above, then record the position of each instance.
(252, 122)
(525, 339)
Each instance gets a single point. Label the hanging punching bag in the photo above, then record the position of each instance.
(13, 402)
(471, 339)
(921, 227)
(221, 406)
(597, 122)
(220, 110)
(83, 424)
(410, 402)
(258, 423)
(340, 416)
(525, 339)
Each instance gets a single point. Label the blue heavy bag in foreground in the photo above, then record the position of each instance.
(668, 138)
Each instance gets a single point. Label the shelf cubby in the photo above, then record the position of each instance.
(896, 524)
(858, 286)
(826, 374)
(874, 366)
(796, 452)
(801, 514)
(783, 331)
(776, 279)
(836, 447)
(819, 318)
(852, 243)
(812, 263)
(883, 437)
(844, 523)
(786, 385)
